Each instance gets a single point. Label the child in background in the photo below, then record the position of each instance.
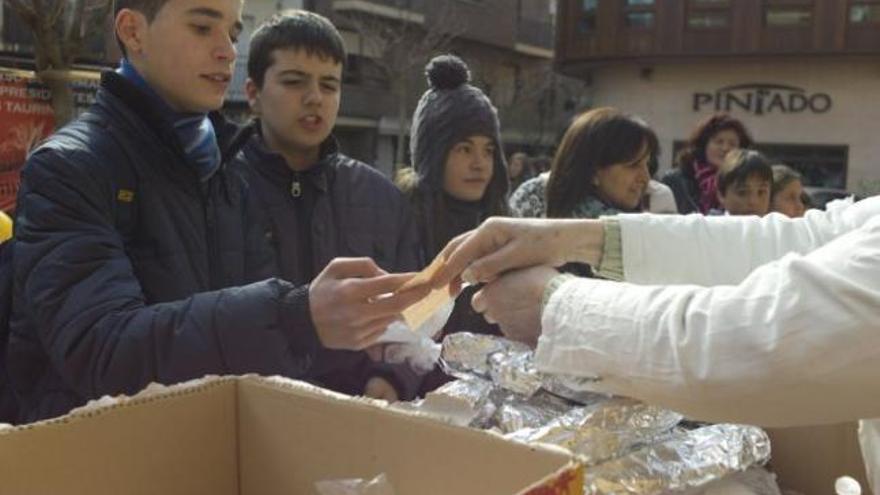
(744, 182)
(787, 193)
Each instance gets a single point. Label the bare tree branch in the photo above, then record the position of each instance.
(26, 12)
(60, 29)
(73, 27)
(397, 45)
(52, 19)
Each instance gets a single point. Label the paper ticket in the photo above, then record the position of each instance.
(419, 312)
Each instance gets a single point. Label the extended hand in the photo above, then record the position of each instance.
(513, 301)
(352, 301)
(502, 244)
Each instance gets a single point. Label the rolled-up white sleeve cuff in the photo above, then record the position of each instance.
(571, 322)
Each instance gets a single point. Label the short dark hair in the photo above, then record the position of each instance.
(739, 165)
(595, 140)
(293, 29)
(147, 7)
(705, 130)
(783, 175)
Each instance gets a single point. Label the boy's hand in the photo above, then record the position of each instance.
(352, 301)
(380, 388)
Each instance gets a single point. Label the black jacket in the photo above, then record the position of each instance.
(175, 291)
(340, 207)
(685, 189)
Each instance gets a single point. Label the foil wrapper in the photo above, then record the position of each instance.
(509, 365)
(465, 354)
(473, 392)
(514, 412)
(462, 402)
(577, 389)
(605, 430)
(478, 403)
(631, 447)
(687, 459)
(515, 371)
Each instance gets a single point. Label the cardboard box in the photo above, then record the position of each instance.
(266, 436)
(809, 459)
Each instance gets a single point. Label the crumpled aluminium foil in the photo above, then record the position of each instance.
(686, 459)
(509, 365)
(603, 431)
(465, 354)
(514, 412)
(478, 403)
(515, 371)
(465, 402)
(476, 393)
(631, 447)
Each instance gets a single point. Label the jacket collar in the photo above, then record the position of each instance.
(273, 165)
(230, 137)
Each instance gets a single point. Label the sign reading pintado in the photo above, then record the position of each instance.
(761, 99)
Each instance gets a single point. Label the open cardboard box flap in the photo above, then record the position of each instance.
(261, 436)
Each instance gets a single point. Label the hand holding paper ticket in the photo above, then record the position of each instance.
(352, 301)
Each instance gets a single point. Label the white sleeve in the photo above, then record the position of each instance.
(796, 342)
(662, 198)
(696, 249)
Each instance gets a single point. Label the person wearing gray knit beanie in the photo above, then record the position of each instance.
(459, 175)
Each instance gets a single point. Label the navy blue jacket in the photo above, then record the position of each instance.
(340, 208)
(177, 291)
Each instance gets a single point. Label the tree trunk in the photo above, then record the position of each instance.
(53, 58)
(62, 97)
(400, 151)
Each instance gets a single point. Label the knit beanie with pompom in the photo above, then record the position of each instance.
(450, 111)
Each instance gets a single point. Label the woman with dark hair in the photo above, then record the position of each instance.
(602, 166)
(693, 181)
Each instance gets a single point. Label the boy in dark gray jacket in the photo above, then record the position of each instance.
(319, 203)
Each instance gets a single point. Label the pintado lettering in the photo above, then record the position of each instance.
(761, 99)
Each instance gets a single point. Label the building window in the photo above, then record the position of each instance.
(788, 13)
(864, 13)
(587, 19)
(708, 14)
(639, 14)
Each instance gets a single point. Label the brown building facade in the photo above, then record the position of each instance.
(803, 75)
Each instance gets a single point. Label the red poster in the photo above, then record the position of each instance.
(25, 119)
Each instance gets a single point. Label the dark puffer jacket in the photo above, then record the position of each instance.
(685, 189)
(175, 292)
(341, 208)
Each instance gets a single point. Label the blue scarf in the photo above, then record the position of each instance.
(195, 130)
